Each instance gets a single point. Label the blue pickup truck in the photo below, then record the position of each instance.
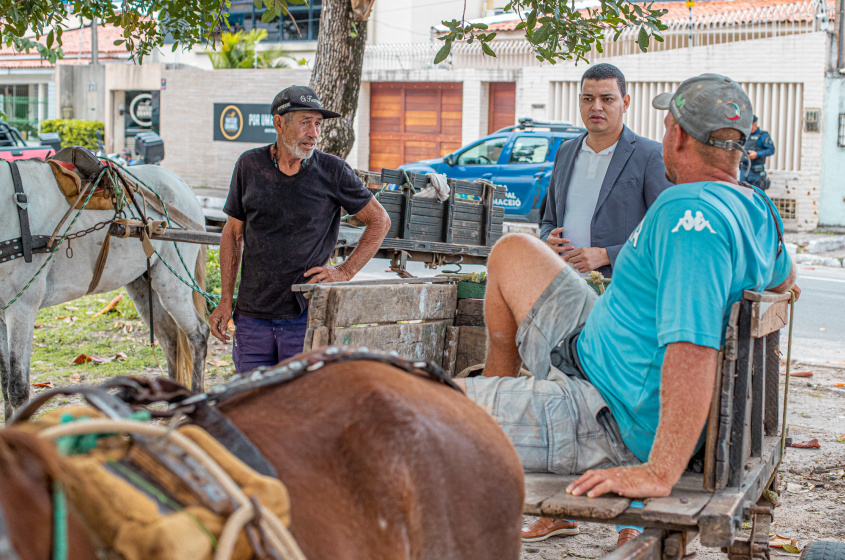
(519, 157)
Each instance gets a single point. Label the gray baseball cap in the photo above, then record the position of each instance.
(707, 103)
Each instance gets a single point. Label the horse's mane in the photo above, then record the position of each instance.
(19, 448)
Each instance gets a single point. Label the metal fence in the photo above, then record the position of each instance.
(22, 113)
(778, 105)
(806, 16)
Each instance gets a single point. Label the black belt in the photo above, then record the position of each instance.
(22, 202)
(14, 248)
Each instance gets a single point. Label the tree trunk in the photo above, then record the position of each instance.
(337, 72)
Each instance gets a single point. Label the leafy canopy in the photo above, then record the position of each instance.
(560, 31)
(145, 23)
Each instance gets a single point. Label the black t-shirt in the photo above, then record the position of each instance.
(290, 225)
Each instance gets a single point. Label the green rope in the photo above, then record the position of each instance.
(59, 522)
(141, 483)
(212, 299)
(56, 248)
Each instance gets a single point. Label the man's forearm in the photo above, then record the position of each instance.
(368, 245)
(230, 261)
(686, 389)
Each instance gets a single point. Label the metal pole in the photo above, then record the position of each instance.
(95, 49)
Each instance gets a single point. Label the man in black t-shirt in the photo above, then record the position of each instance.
(284, 210)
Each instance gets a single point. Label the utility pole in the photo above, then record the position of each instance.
(95, 49)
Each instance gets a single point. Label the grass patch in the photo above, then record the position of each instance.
(67, 330)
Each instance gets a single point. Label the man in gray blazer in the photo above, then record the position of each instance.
(604, 181)
(602, 184)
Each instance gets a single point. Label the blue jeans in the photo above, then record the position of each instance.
(262, 342)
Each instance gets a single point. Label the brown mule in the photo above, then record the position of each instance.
(383, 464)
(28, 469)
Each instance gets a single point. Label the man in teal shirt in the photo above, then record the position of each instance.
(622, 383)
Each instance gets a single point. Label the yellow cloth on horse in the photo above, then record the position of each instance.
(70, 183)
(128, 521)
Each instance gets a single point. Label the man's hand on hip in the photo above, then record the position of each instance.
(641, 481)
(327, 273)
(218, 322)
(586, 259)
(557, 243)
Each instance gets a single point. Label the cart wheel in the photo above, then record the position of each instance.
(824, 550)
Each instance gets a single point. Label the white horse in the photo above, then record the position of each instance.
(65, 279)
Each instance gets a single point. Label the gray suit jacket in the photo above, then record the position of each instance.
(634, 179)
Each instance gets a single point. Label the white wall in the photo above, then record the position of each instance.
(410, 21)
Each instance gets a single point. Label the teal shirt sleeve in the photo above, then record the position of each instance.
(694, 267)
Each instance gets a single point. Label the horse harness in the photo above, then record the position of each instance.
(134, 393)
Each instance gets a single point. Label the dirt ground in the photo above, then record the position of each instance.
(812, 504)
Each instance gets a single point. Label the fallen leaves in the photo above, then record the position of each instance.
(44, 384)
(788, 545)
(801, 374)
(809, 444)
(112, 306)
(85, 358)
(839, 384)
(218, 363)
(75, 378)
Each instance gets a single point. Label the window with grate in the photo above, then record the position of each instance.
(841, 141)
(785, 207)
(811, 120)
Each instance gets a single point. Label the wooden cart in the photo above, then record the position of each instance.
(424, 319)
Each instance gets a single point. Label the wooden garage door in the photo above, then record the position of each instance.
(502, 106)
(410, 122)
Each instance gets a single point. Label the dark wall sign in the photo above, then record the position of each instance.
(138, 112)
(243, 122)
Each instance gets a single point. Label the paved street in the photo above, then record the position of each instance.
(819, 332)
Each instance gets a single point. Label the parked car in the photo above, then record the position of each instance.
(519, 157)
(13, 146)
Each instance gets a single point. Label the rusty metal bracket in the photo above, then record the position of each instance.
(399, 262)
(756, 547)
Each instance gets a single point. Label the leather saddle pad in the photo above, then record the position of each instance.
(75, 167)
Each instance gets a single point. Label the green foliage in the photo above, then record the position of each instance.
(75, 132)
(213, 281)
(558, 31)
(38, 24)
(238, 50)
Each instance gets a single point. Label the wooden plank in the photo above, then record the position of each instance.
(450, 350)
(539, 487)
(768, 317)
(566, 505)
(386, 282)
(758, 396)
(739, 439)
(472, 347)
(320, 338)
(713, 427)
(771, 423)
(413, 341)
(357, 305)
(719, 521)
(768, 297)
(470, 313)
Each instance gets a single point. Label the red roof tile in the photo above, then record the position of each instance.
(74, 42)
(729, 11)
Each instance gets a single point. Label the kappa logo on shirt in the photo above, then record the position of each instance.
(635, 237)
(689, 223)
